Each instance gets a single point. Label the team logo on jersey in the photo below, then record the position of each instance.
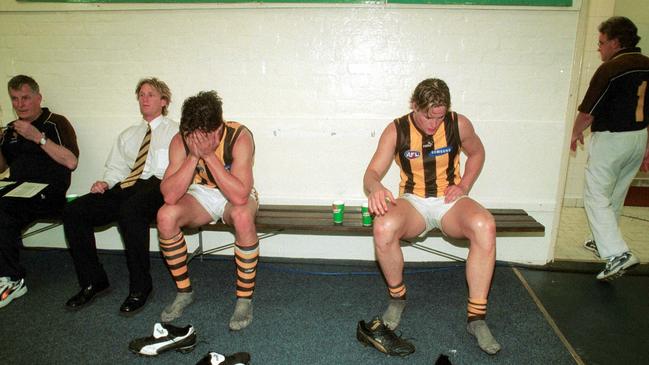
(440, 151)
(410, 154)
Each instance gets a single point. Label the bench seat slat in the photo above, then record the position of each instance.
(296, 209)
(318, 220)
(264, 216)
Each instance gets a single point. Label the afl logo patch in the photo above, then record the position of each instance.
(410, 154)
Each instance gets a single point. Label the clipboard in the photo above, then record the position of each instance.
(25, 190)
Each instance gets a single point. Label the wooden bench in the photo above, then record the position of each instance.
(309, 219)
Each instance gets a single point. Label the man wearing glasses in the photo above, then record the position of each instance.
(616, 108)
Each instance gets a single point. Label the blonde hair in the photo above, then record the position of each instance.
(160, 86)
(431, 93)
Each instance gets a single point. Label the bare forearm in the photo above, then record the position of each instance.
(371, 181)
(175, 185)
(472, 170)
(61, 155)
(582, 121)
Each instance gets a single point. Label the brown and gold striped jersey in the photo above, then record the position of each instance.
(231, 132)
(429, 164)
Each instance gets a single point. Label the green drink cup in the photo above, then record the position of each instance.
(365, 215)
(338, 208)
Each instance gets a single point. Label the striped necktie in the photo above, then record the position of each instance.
(138, 166)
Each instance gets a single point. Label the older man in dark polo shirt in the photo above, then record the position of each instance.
(616, 108)
(39, 147)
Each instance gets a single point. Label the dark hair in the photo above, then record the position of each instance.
(431, 93)
(159, 85)
(622, 29)
(202, 112)
(18, 81)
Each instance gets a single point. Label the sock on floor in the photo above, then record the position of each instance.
(175, 309)
(476, 313)
(486, 340)
(242, 315)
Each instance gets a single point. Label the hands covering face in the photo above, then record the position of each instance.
(203, 144)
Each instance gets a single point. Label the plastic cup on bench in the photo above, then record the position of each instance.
(338, 208)
(366, 217)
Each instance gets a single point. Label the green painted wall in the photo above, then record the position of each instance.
(438, 2)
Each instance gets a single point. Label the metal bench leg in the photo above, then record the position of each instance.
(199, 250)
(43, 229)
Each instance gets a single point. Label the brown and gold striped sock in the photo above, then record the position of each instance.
(476, 309)
(398, 291)
(246, 259)
(174, 250)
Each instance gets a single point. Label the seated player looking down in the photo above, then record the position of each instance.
(426, 145)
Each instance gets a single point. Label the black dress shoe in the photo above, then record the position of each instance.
(134, 302)
(86, 296)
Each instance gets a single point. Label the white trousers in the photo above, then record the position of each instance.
(613, 162)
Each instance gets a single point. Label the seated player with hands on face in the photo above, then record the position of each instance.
(209, 178)
(426, 145)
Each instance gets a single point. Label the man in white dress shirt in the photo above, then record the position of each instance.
(129, 194)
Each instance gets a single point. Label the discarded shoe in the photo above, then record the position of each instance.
(213, 358)
(165, 338)
(377, 334)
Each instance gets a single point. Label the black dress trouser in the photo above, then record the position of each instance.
(133, 208)
(16, 214)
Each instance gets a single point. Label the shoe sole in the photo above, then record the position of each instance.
(88, 303)
(15, 295)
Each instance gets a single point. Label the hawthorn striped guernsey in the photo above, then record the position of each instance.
(429, 164)
(231, 132)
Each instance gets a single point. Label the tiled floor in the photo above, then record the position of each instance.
(573, 230)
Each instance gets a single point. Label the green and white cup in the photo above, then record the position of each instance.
(71, 197)
(365, 215)
(338, 207)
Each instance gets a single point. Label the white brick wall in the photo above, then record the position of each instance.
(317, 86)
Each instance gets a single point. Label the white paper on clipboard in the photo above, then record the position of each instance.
(6, 183)
(26, 190)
